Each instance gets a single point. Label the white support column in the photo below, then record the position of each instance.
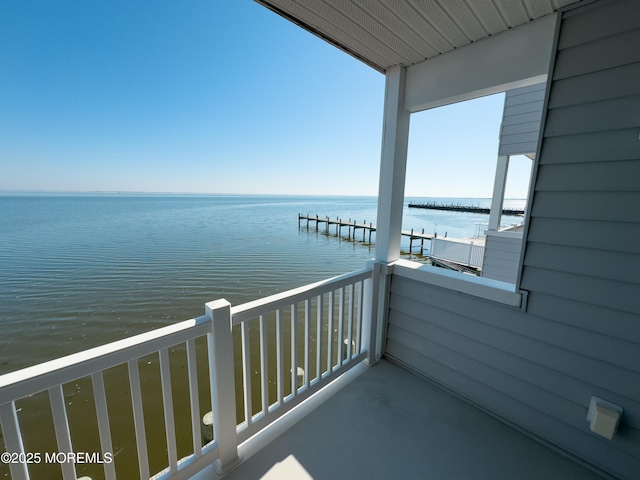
(223, 397)
(393, 165)
(499, 186)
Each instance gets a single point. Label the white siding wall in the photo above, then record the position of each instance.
(521, 120)
(502, 256)
(580, 334)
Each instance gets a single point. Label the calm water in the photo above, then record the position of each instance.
(77, 271)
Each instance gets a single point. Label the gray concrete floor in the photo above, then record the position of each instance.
(391, 424)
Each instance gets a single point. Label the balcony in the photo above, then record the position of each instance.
(248, 365)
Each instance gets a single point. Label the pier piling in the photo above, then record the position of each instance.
(367, 229)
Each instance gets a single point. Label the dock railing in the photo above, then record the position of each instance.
(462, 253)
(263, 357)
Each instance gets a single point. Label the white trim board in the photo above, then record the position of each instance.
(516, 58)
(486, 288)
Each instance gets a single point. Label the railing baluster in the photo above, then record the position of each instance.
(61, 425)
(102, 413)
(167, 402)
(246, 372)
(192, 369)
(350, 322)
(138, 418)
(13, 439)
(307, 341)
(279, 357)
(319, 339)
(330, 334)
(341, 326)
(264, 366)
(294, 349)
(359, 317)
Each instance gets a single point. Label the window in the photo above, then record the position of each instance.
(468, 159)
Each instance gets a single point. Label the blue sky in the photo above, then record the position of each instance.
(211, 97)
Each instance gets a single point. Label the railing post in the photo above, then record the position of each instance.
(223, 397)
(368, 318)
(375, 303)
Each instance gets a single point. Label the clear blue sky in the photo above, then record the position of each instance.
(210, 97)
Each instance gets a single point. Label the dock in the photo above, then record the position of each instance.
(352, 226)
(464, 208)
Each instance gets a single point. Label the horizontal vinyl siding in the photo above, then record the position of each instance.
(582, 254)
(521, 120)
(620, 267)
(589, 172)
(581, 288)
(598, 54)
(500, 269)
(501, 326)
(596, 176)
(623, 326)
(586, 233)
(537, 373)
(611, 114)
(501, 258)
(588, 88)
(605, 206)
(587, 25)
(593, 146)
(522, 148)
(524, 95)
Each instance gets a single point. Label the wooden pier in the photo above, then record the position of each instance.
(367, 228)
(464, 208)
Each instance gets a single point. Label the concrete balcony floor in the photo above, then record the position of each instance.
(391, 424)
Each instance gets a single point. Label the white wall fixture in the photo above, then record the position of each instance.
(603, 417)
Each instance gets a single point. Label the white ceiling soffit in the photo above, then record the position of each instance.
(384, 33)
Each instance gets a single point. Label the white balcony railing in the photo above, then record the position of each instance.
(463, 253)
(262, 357)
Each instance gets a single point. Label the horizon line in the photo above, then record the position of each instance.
(142, 193)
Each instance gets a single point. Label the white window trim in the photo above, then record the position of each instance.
(486, 288)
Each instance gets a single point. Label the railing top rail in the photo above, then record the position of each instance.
(477, 242)
(249, 310)
(34, 379)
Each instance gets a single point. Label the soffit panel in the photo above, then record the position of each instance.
(384, 33)
(441, 20)
(540, 8)
(399, 27)
(468, 20)
(376, 24)
(488, 14)
(405, 12)
(514, 11)
(317, 17)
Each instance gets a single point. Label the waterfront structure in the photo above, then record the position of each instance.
(555, 354)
